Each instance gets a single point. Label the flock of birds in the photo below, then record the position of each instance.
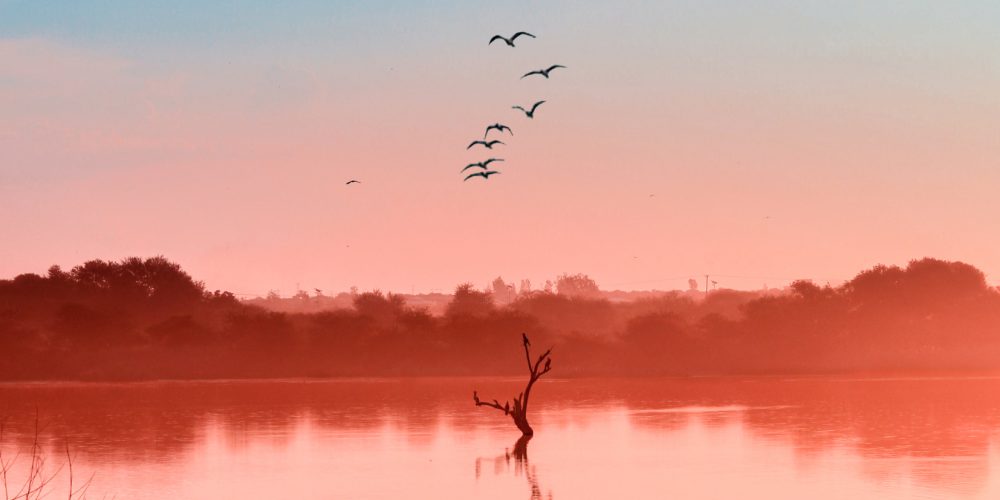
(484, 165)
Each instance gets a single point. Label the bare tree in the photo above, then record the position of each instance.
(519, 411)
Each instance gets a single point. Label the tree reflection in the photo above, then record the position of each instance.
(522, 467)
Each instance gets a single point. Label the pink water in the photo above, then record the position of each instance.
(647, 438)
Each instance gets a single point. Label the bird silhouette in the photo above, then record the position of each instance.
(499, 128)
(524, 337)
(352, 181)
(484, 175)
(488, 145)
(482, 164)
(543, 72)
(529, 113)
(510, 41)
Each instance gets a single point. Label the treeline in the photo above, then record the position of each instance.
(147, 318)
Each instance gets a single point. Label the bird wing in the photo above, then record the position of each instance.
(486, 175)
(352, 181)
(504, 127)
(537, 104)
(536, 72)
(477, 174)
(491, 160)
(519, 107)
(473, 143)
(491, 143)
(554, 66)
(479, 165)
(519, 33)
(497, 37)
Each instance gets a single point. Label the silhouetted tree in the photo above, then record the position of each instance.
(135, 279)
(568, 314)
(519, 410)
(655, 337)
(384, 308)
(142, 318)
(219, 297)
(468, 301)
(577, 285)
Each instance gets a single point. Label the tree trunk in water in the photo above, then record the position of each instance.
(521, 448)
(519, 411)
(521, 421)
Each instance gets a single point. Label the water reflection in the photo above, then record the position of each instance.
(522, 467)
(864, 438)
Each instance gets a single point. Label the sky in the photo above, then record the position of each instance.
(755, 143)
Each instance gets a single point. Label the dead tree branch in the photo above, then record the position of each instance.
(519, 410)
(38, 479)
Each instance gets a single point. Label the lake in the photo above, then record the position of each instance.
(794, 438)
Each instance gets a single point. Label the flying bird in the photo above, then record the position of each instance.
(499, 128)
(543, 72)
(482, 164)
(484, 175)
(524, 337)
(352, 181)
(529, 113)
(488, 145)
(510, 41)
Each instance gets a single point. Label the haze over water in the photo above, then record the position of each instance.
(617, 438)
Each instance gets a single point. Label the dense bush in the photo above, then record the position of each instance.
(147, 318)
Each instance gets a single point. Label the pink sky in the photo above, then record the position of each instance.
(759, 150)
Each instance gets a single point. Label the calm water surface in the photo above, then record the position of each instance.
(648, 438)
